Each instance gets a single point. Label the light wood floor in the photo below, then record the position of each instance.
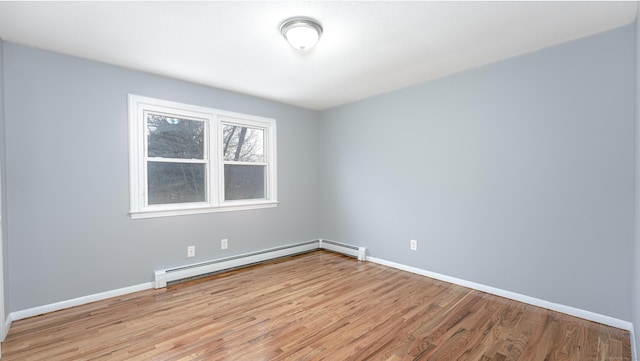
(316, 306)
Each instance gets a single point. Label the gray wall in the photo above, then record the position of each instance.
(3, 190)
(635, 287)
(517, 175)
(68, 185)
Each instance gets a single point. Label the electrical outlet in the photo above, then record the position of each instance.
(224, 244)
(414, 245)
(191, 251)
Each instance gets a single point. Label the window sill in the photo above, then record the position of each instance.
(230, 207)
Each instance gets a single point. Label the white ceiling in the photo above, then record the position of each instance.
(367, 48)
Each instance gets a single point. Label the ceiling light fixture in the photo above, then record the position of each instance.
(302, 33)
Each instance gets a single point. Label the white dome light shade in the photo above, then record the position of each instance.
(302, 37)
(301, 33)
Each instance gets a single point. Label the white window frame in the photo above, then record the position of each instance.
(213, 158)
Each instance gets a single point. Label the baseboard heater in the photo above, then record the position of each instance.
(162, 277)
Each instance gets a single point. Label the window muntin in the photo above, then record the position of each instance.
(186, 159)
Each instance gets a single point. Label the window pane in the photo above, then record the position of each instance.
(243, 182)
(175, 182)
(175, 137)
(243, 144)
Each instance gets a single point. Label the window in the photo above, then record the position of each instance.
(186, 159)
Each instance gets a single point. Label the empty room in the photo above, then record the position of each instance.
(319, 180)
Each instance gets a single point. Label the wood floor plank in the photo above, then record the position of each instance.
(315, 306)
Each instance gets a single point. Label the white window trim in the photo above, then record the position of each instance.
(213, 153)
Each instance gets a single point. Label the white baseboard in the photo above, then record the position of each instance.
(40, 310)
(588, 315)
